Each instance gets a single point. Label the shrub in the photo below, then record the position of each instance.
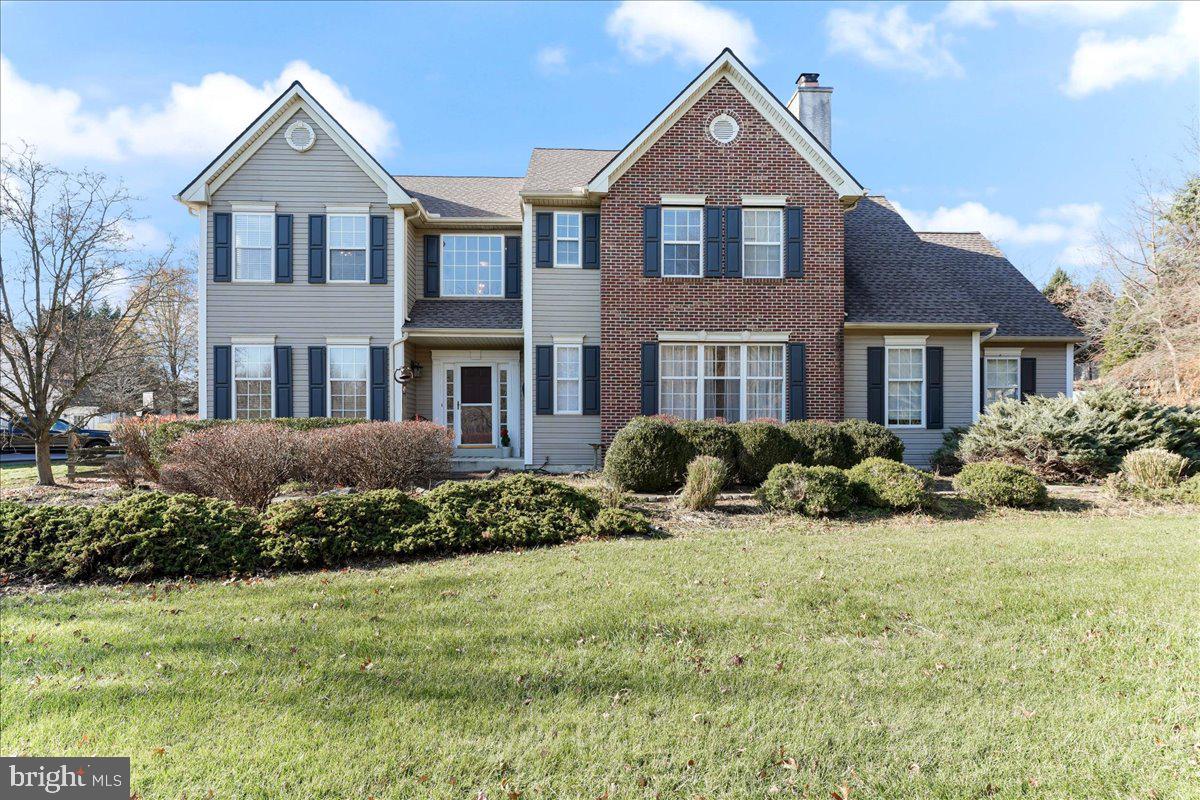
(706, 475)
(136, 436)
(647, 455)
(377, 455)
(819, 444)
(870, 440)
(41, 539)
(165, 431)
(609, 495)
(761, 445)
(331, 530)
(1153, 468)
(621, 522)
(124, 471)
(710, 437)
(1189, 490)
(945, 460)
(243, 463)
(812, 491)
(995, 483)
(884, 483)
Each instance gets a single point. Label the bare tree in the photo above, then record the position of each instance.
(169, 328)
(67, 252)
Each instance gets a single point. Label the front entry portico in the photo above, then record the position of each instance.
(477, 395)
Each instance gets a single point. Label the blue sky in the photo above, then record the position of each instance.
(1028, 121)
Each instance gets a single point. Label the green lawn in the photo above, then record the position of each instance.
(18, 475)
(1016, 655)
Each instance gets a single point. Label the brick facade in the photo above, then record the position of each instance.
(634, 308)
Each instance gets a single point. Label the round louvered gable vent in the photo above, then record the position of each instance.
(723, 128)
(300, 136)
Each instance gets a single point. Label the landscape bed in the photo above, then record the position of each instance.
(1016, 654)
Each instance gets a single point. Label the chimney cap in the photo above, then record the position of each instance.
(808, 79)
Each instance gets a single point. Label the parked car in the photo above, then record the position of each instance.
(14, 438)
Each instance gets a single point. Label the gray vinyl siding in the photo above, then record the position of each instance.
(418, 397)
(299, 314)
(1051, 365)
(566, 302)
(919, 443)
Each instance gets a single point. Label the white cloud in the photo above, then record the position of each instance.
(552, 60)
(192, 121)
(1072, 226)
(891, 39)
(689, 31)
(1101, 62)
(982, 13)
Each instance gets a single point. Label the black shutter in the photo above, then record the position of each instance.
(316, 381)
(875, 384)
(934, 359)
(649, 378)
(591, 241)
(379, 249)
(316, 248)
(379, 383)
(433, 269)
(651, 217)
(1028, 377)
(794, 260)
(712, 242)
(982, 386)
(544, 378)
(797, 396)
(283, 248)
(512, 266)
(591, 379)
(733, 242)
(543, 228)
(283, 380)
(222, 247)
(222, 379)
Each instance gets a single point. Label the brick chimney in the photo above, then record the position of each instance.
(810, 105)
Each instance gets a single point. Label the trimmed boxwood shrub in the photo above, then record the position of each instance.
(621, 522)
(710, 438)
(647, 455)
(812, 491)
(884, 483)
(995, 483)
(761, 445)
(819, 444)
(870, 440)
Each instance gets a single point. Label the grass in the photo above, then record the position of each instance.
(1014, 655)
(19, 475)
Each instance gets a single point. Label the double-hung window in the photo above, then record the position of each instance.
(734, 382)
(348, 375)
(253, 381)
(253, 243)
(347, 248)
(762, 243)
(1001, 379)
(682, 229)
(472, 266)
(568, 379)
(566, 239)
(906, 386)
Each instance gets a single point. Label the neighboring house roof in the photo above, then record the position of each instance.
(897, 275)
(485, 314)
(466, 196)
(558, 170)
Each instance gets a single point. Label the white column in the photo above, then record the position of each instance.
(975, 376)
(1070, 384)
(527, 392)
(202, 318)
(399, 303)
(399, 359)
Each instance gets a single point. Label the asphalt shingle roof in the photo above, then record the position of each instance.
(465, 196)
(553, 169)
(461, 313)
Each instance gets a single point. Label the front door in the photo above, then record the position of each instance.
(477, 395)
(476, 408)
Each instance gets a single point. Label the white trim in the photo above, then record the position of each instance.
(781, 244)
(399, 358)
(1070, 376)
(719, 337)
(233, 246)
(975, 376)
(1007, 354)
(727, 66)
(578, 240)
(266, 338)
(527, 394)
(442, 264)
(242, 207)
(682, 199)
(1001, 352)
(769, 200)
(578, 348)
(356, 209)
(909, 326)
(329, 375)
(233, 378)
(366, 248)
(904, 341)
(399, 304)
(662, 244)
(567, 340)
(202, 319)
(474, 333)
(347, 341)
(889, 346)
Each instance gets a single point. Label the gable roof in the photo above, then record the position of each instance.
(729, 66)
(276, 115)
(897, 275)
(563, 170)
(465, 196)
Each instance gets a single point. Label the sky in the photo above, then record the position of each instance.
(1028, 121)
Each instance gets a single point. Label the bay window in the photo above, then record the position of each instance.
(681, 241)
(568, 379)
(348, 376)
(566, 239)
(1001, 379)
(253, 381)
(347, 248)
(472, 266)
(734, 382)
(905, 386)
(253, 245)
(762, 243)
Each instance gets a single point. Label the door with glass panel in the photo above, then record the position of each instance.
(476, 408)
(478, 402)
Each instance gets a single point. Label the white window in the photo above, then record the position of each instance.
(472, 266)
(566, 239)
(762, 243)
(734, 382)
(906, 386)
(347, 247)
(1001, 379)
(253, 382)
(348, 381)
(253, 242)
(681, 241)
(568, 379)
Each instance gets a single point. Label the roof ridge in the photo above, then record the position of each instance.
(500, 177)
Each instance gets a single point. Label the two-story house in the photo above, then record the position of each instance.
(723, 263)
